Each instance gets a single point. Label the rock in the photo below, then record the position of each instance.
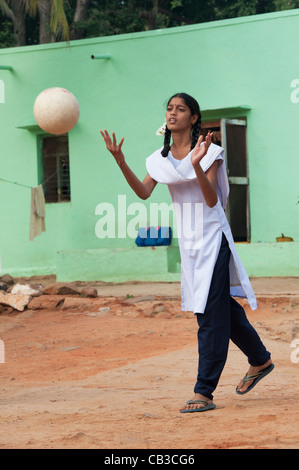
(46, 302)
(5, 309)
(157, 308)
(7, 279)
(104, 309)
(89, 292)
(35, 345)
(18, 302)
(29, 289)
(141, 298)
(3, 286)
(148, 415)
(76, 303)
(61, 288)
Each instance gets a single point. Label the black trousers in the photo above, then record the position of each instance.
(222, 320)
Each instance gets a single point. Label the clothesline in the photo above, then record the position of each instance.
(14, 182)
(25, 185)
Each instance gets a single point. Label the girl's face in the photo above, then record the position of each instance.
(178, 116)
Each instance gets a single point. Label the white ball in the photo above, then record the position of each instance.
(56, 110)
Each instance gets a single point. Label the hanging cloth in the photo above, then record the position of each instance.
(37, 212)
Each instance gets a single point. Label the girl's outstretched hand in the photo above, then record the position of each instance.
(200, 149)
(113, 147)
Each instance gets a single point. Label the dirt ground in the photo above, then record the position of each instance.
(112, 372)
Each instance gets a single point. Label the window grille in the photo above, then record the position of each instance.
(56, 171)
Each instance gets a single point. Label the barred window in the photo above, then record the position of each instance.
(56, 172)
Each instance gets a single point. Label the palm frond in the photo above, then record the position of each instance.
(4, 5)
(59, 23)
(31, 6)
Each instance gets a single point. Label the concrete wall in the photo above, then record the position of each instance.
(243, 66)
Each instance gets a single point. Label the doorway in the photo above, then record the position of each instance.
(231, 134)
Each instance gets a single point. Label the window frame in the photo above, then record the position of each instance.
(40, 168)
(218, 125)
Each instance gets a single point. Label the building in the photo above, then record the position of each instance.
(244, 73)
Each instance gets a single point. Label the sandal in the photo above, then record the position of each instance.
(256, 378)
(208, 406)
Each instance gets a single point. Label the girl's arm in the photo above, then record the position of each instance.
(207, 180)
(144, 188)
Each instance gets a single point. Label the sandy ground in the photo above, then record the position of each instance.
(112, 373)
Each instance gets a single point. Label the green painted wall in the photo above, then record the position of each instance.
(227, 64)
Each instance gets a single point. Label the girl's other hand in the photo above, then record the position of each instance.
(113, 147)
(200, 149)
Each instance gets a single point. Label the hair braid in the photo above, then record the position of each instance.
(167, 138)
(195, 132)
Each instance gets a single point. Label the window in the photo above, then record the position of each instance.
(55, 168)
(231, 134)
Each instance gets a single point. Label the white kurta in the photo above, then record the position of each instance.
(200, 227)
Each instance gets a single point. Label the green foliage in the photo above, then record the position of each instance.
(106, 18)
(109, 17)
(7, 38)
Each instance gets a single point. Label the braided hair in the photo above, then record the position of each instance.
(195, 109)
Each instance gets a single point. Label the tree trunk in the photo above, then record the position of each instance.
(44, 11)
(77, 29)
(18, 18)
(151, 16)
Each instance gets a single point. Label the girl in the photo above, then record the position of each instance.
(211, 271)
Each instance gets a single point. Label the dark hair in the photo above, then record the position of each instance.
(195, 109)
